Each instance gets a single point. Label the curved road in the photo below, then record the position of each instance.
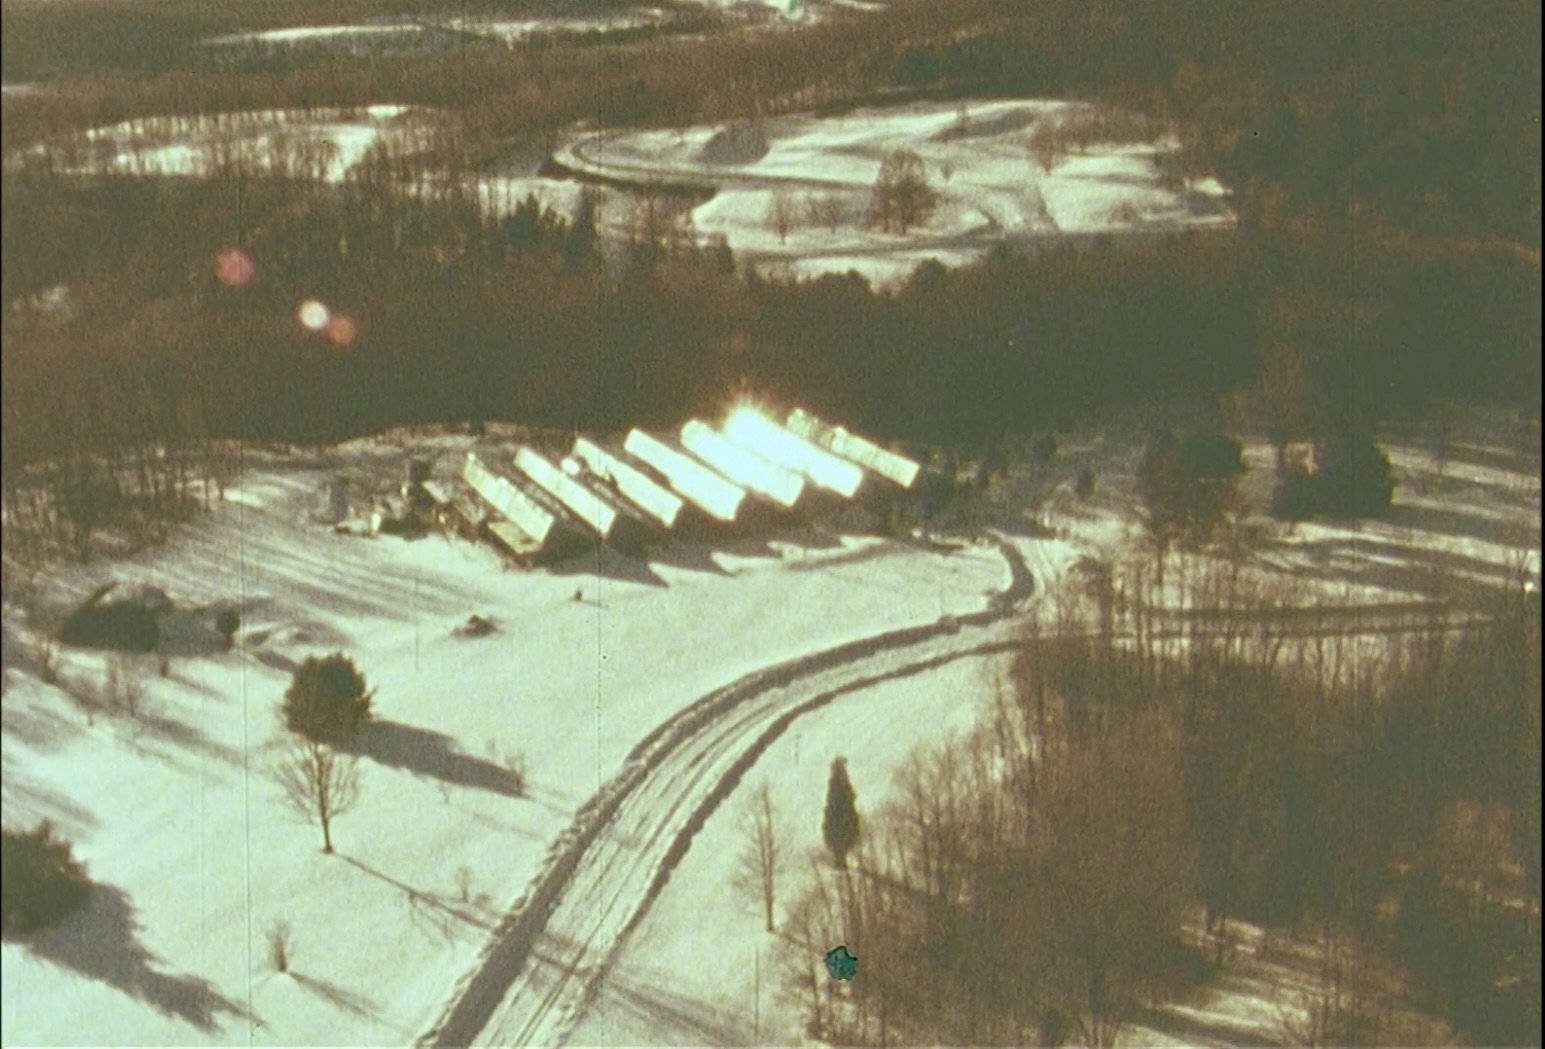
(532, 979)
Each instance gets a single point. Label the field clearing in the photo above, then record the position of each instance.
(996, 180)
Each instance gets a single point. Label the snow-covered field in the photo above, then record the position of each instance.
(597, 909)
(194, 854)
(421, 35)
(993, 182)
(303, 143)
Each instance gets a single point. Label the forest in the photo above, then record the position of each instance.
(1386, 165)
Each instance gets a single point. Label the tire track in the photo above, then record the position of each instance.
(572, 910)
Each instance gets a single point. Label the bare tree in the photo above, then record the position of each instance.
(781, 214)
(761, 857)
(318, 781)
(826, 209)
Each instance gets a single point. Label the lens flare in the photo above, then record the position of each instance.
(313, 315)
(341, 330)
(233, 268)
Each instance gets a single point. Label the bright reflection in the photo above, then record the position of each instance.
(313, 315)
(690, 478)
(751, 429)
(740, 465)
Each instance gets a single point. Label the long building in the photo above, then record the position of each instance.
(506, 497)
(584, 504)
(741, 465)
(693, 481)
(751, 429)
(656, 501)
(895, 468)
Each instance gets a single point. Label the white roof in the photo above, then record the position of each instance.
(575, 497)
(636, 486)
(864, 452)
(502, 494)
(691, 479)
(741, 465)
(751, 429)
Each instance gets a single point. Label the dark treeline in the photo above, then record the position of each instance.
(1031, 881)
(460, 316)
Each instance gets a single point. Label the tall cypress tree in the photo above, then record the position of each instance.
(839, 826)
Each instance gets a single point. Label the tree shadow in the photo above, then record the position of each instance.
(101, 942)
(348, 1001)
(439, 911)
(189, 634)
(680, 1018)
(19, 796)
(424, 752)
(1462, 525)
(1193, 1030)
(1393, 566)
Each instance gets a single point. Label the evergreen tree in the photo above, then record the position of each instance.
(839, 826)
(327, 700)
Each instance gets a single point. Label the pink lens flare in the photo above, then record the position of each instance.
(233, 268)
(341, 330)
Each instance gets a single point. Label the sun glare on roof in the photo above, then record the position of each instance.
(749, 428)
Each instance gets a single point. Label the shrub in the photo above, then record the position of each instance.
(1296, 496)
(1043, 449)
(1084, 482)
(327, 700)
(40, 879)
(279, 946)
(227, 622)
(1354, 478)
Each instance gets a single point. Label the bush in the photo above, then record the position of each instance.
(1354, 478)
(1188, 485)
(1084, 482)
(40, 879)
(227, 622)
(327, 700)
(1043, 449)
(1296, 496)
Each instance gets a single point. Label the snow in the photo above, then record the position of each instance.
(186, 837)
(994, 185)
(658, 990)
(641, 709)
(266, 140)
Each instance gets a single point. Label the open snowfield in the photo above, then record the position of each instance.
(194, 855)
(421, 35)
(309, 143)
(994, 186)
(597, 909)
(687, 973)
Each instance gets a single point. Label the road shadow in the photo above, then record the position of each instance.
(425, 752)
(101, 942)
